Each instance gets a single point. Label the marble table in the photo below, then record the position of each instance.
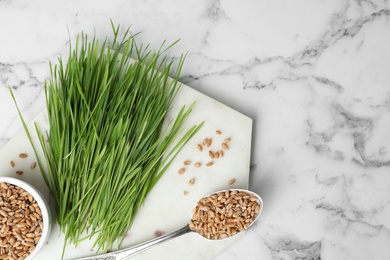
(313, 75)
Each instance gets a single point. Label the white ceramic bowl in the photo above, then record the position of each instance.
(43, 207)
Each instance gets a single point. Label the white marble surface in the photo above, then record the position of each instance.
(313, 75)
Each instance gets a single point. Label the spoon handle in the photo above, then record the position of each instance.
(127, 252)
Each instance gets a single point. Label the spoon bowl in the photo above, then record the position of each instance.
(229, 206)
(225, 213)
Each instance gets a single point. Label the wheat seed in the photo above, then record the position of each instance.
(225, 146)
(232, 181)
(33, 165)
(23, 155)
(181, 171)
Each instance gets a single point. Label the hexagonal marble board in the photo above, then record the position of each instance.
(169, 205)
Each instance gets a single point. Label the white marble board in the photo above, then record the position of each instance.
(167, 208)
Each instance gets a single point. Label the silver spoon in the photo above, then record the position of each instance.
(199, 211)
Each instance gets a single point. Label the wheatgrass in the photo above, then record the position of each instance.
(107, 148)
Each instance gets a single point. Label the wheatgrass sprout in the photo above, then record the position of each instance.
(107, 148)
